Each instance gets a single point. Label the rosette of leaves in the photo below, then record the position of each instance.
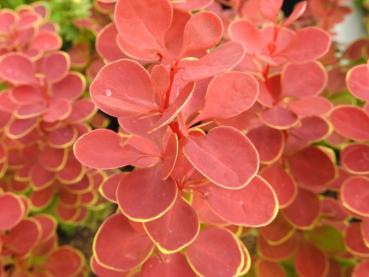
(47, 116)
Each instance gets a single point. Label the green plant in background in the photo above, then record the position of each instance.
(65, 13)
(364, 5)
(12, 4)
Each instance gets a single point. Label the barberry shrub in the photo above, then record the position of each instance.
(218, 125)
(242, 145)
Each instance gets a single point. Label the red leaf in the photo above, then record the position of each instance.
(109, 187)
(46, 41)
(278, 231)
(358, 81)
(26, 94)
(304, 79)
(68, 198)
(54, 66)
(70, 87)
(106, 43)
(103, 149)
(190, 5)
(174, 108)
(351, 122)
(266, 268)
(332, 209)
(41, 198)
(30, 111)
(46, 247)
(361, 269)
(137, 124)
(80, 187)
(310, 261)
(268, 142)
(254, 205)
(312, 168)
(143, 196)
(119, 247)
(222, 59)
(48, 226)
(72, 171)
(278, 252)
(270, 91)
(281, 182)
(170, 155)
(355, 158)
(312, 129)
(279, 118)
(80, 54)
(142, 25)
(174, 38)
(17, 69)
(355, 195)
(67, 214)
(308, 44)
(204, 212)
(145, 150)
(167, 266)
(82, 110)
(181, 227)
(62, 137)
(270, 8)
(213, 156)
(7, 20)
(216, 247)
(23, 237)
(11, 211)
(101, 270)
(246, 33)
(58, 110)
(304, 211)
(40, 177)
(65, 261)
(202, 31)
(229, 95)
(7, 104)
(123, 86)
(354, 241)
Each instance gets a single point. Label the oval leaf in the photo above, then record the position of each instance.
(253, 205)
(143, 196)
(213, 156)
(181, 227)
(216, 247)
(118, 246)
(229, 95)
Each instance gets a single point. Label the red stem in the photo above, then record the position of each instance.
(173, 71)
(174, 125)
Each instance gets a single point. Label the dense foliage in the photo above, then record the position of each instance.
(238, 143)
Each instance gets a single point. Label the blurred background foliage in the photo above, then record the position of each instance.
(62, 12)
(365, 5)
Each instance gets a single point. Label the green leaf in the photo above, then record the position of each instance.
(328, 239)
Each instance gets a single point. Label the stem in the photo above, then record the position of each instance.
(266, 72)
(175, 128)
(173, 71)
(174, 125)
